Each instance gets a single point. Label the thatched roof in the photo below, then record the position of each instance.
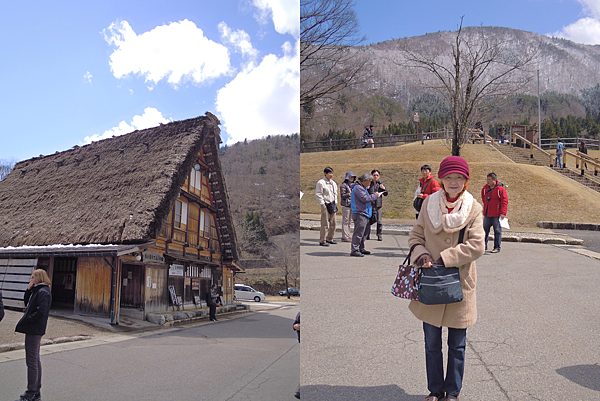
(115, 191)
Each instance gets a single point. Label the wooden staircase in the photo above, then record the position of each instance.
(523, 156)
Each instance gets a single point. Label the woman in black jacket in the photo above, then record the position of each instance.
(33, 324)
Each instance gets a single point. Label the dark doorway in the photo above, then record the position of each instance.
(64, 279)
(132, 284)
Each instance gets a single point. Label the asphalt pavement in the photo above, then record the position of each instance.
(536, 337)
(242, 357)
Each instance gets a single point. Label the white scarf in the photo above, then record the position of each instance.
(438, 207)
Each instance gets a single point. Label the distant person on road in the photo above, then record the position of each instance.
(326, 193)
(296, 327)
(427, 185)
(361, 213)
(368, 136)
(211, 300)
(346, 195)
(583, 149)
(38, 299)
(376, 186)
(1, 307)
(435, 237)
(560, 149)
(495, 207)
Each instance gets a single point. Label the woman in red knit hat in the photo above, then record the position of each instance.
(435, 237)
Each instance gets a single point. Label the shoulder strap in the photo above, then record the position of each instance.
(423, 191)
(461, 235)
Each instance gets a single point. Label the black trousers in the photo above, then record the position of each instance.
(213, 311)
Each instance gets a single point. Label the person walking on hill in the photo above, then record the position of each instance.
(495, 206)
(326, 193)
(560, 149)
(368, 136)
(346, 195)
(361, 213)
(38, 299)
(427, 186)
(376, 186)
(435, 237)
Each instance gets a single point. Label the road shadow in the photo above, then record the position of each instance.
(587, 376)
(345, 393)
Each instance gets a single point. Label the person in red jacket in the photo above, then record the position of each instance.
(427, 185)
(495, 206)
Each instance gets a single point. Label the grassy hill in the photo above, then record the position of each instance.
(535, 193)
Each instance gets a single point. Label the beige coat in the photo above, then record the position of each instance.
(443, 241)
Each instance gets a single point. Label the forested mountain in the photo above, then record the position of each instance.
(263, 182)
(389, 93)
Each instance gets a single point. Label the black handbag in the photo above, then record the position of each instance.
(441, 284)
(331, 207)
(418, 202)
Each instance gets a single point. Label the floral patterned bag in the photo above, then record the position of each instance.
(406, 285)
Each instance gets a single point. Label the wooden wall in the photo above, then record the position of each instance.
(92, 291)
(157, 299)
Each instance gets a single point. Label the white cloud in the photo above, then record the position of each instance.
(285, 15)
(239, 39)
(265, 100)
(585, 30)
(150, 118)
(177, 52)
(87, 77)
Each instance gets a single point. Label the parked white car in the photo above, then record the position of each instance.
(247, 293)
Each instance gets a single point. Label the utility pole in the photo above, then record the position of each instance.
(539, 113)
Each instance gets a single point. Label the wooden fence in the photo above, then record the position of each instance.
(383, 141)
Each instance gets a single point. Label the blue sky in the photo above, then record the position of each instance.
(571, 19)
(76, 71)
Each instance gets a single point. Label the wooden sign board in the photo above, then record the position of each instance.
(174, 297)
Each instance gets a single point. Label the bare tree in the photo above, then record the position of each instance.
(6, 167)
(329, 28)
(287, 253)
(474, 71)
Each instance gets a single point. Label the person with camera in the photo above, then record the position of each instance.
(362, 210)
(376, 186)
(495, 206)
(326, 193)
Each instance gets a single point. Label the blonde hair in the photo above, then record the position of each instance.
(40, 276)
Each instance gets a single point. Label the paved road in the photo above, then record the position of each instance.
(537, 335)
(253, 356)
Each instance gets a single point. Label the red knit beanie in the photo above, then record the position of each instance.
(453, 164)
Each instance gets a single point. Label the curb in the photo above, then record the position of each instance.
(568, 226)
(508, 236)
(51, 341)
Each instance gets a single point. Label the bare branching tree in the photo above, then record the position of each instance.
(6, 167)
(328, 64)
(287, 253)
(474, 71)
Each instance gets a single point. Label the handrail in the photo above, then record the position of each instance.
(532, 146)
(580, 159)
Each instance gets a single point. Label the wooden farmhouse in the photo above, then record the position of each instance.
(125, 226)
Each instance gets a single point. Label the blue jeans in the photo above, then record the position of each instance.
(558, 161)
(489, 222)
(434, 359)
